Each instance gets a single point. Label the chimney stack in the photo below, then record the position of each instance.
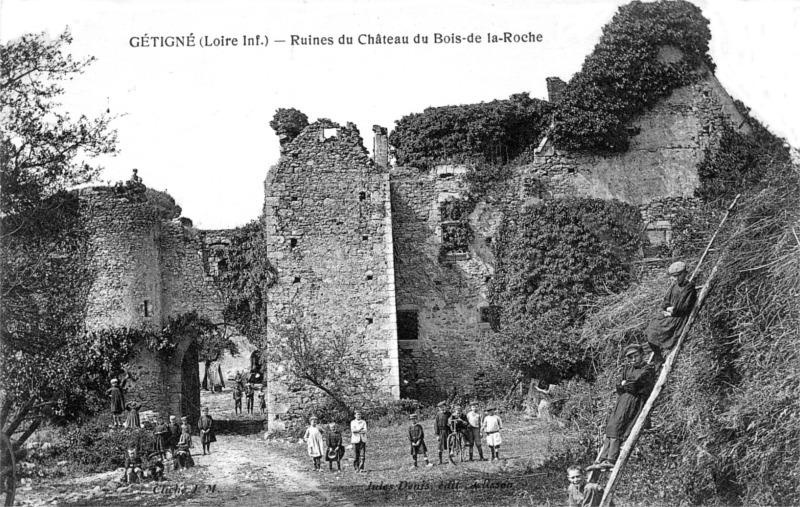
(380, 151)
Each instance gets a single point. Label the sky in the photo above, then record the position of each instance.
(195, 120)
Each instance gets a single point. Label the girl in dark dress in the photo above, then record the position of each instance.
(117, 402)
(335, 450)
(206, 431)
(133, 421)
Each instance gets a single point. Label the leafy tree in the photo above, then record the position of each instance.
(42, 245)
(320, 359)
(288, 123)
(552, 261)
(624, 75)
(42, 146)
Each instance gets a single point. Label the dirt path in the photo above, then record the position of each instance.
(241, 471)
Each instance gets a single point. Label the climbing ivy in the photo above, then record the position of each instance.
(456, 231)
(624, 76)
(552, 261)
(737, 162)
(495, 131)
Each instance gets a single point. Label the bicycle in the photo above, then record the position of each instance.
(455, 443)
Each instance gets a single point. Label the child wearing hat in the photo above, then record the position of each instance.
(416, 436)
(638, 379)
(315, 443)
(492, 424)
(663, 332)
(441, 428)
(117, 402)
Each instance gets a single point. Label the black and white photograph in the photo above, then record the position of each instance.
(405, 253)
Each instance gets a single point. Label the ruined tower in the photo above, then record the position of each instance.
(329, 236)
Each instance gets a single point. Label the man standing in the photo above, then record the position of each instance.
(663, 333)
(441, 428)
(358, 437)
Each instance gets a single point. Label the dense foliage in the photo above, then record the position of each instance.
(288, 123)
(737, 162)
(624, 75)
(496, 131)
(551, 262)
(245, 280)
(40, 145)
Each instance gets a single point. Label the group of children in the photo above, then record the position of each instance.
(471, 426)
(248, 392)
(329, 443)
(170, 438)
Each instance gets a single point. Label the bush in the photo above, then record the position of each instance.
(94, 447)
(496, 132)
(552, 262)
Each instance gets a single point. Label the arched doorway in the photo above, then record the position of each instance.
(190, 383)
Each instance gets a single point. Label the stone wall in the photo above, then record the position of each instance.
(446, 293)
(668, 144)
(328, 228)
(146, 270)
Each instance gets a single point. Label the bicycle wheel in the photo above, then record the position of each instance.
(453, 447)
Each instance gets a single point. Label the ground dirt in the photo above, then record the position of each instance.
(245, 469)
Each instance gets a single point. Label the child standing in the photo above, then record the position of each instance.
(416, 436)
(492, 424)
(262, 402)
(248, 393)
(162, 437)
(237, 399)
(474, 431)
(132, 420)
(174, 433)
(186, 430)
(117, 402)
(206, 431)
(313, 438)
(580, 494)
(335, 450)
(441, 428)
(358, 437)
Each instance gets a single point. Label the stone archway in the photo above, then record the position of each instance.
(183, 379)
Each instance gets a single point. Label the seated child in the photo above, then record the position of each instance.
(335, 450)
(579, 493)
(155, 467)
(183, 456)
(134, 471)
(416, 436)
